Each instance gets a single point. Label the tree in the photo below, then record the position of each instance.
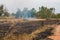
(3, 12)
(44, 12)
(52, 13)
(18, 14)
(13, 14)
(58, 15)
(33, 12)
(6, 13)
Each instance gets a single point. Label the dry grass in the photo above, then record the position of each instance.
(24, 36)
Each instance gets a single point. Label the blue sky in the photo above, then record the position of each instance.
(12, 5)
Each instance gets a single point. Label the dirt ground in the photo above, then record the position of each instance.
(56, 35)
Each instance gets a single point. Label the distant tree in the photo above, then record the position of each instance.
(6, 13)
(44, 12)
(33, 12)
(52, 10)
(53, 15)
(58, 15)
(13, 14)
(3, 12)
(18, 14)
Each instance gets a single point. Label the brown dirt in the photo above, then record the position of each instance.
(56, 35)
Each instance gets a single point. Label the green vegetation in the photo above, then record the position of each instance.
(43, 12)
(3, 12)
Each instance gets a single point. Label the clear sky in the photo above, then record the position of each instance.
(12, 5)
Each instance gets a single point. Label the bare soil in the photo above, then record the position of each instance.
(56, 35)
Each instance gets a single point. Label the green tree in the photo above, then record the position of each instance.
(58, 15)
(44, 12)
(6, 13)
(3, 12)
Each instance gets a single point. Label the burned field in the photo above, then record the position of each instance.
(12, 30)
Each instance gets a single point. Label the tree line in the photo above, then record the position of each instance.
(43, 12)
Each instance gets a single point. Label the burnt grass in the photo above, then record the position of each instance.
(24, 27)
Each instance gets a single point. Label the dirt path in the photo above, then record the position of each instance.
(56, 35)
